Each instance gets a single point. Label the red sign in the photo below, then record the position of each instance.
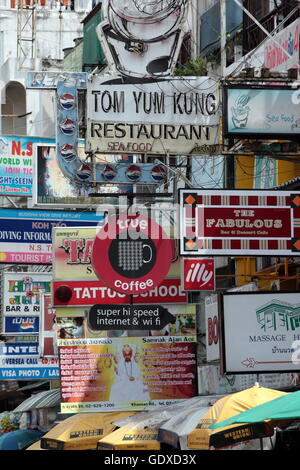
(88, 293)
(132, 254)
(239, 223)
(236, 223)
(198, 274)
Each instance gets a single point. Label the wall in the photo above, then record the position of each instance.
(73, 60)
(55, 31)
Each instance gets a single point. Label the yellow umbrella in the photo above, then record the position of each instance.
(35, 446)
(226, 407)
(128, 438)
(81, 431)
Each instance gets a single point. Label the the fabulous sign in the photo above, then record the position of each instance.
(260, 332)
(172, 116)
(217, 222)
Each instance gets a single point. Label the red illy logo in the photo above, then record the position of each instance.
(199, 274)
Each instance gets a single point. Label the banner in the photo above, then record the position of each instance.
(47, 333)
(171, 116)
(198, 274)
(82, 323)
(212, 328)
(126, 374)
(31, 367)
(26, 235)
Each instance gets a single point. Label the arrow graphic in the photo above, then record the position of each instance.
(250, 362)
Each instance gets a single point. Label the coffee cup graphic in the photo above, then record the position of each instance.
(132, 258)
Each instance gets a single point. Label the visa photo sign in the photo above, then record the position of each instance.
(28, 367)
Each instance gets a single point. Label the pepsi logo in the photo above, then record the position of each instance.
(68, 152)
(159, 173)
(67, 126)
(133, 173)
(67, 101)
(84, 172)
(109, 173)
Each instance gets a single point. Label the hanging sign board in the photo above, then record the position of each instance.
(240, 223)
(263, 335)
(172, 115)
(132, 254)
(142, 39)
(261, 112)
(129, 317)
(72, 269)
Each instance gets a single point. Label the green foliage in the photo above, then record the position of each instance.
(196, 68)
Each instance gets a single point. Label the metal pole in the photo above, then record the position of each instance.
(223, 36)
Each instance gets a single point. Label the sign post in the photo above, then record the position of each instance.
(129, 317)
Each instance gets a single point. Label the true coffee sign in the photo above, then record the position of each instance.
(131, 254)
(239, 223)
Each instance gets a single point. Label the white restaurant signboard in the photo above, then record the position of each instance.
(171, 116)
(260, 332)
(240, 223)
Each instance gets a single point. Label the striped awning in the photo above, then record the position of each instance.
(47, 399)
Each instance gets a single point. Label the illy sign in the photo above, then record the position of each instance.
(198, 274)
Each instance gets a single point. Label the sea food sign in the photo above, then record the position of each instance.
(169, 116)
(261, 112)
(217, 222)
(263, 335)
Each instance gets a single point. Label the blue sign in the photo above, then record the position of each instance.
(49, 80)
(26, 235)
(29, 373)
(272, 112)
(19, 349)
(21, 325)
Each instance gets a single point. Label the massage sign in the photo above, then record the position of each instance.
(132, 254)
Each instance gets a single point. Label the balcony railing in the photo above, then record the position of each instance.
(65, 5)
